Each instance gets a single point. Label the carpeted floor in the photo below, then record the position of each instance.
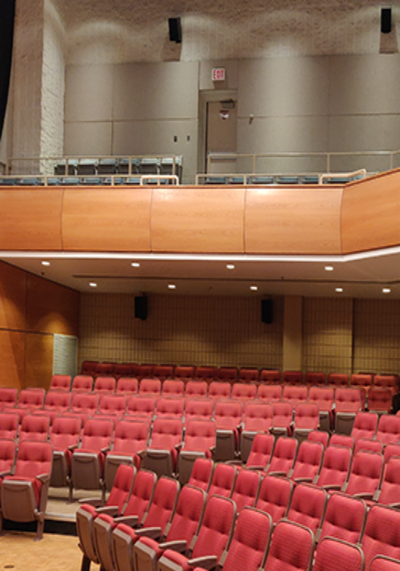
(19, 552)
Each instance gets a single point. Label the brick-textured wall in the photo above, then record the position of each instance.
(181, 329)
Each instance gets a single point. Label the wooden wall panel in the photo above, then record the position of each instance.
(12, 297)
(51, 308)
(38, 360)
(12, 352)
(370, 213)
(30, 219)
(197, 220)
(293, 221)
(116, 220)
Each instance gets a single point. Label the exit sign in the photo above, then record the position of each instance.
(218, 74)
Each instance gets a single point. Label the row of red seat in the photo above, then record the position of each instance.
(232, 374)
(190, 529)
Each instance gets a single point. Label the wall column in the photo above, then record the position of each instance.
(292, 332)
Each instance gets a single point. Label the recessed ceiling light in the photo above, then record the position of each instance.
(135, 265)
(92, 284)
(230, 267)
(329, 268)
(171, 286)
(339, 290)
(45, 263)
(386, 290)
(254, 288)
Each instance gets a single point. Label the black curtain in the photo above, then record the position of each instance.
(7, 14)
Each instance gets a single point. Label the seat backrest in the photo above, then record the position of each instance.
(342, 440)
(347, 400)
(257, 416)
(122, 370)
(8, 397)
(105, 385)
(104, 370)
(368, 444)
(381, 534)
(163, 372)
(150, 387)
(112, 404)
(306, 416)
(295, 394)
(34, 458)
(57, 400)
(65, 432)
(196, 389)
(380, 399)
(228, 413)
(246, 489)
(248, 375)
(200, 435)
(184, 372)
(335, 467)
(201, 473)
(8, 449)
(291, 547)
(97, 434)
(166, 434)
(283, 414)
(388, 429)
(163, 503)
(142, 493)
(344, 518)
(315, 379)
(82, 383)
(292, 377)
(173, 387)
(9, 422)
(387, 382)
(143, 371)
(141, 406)
(338, 379)
(199, 408)
(216, 527)
(390, 491)
(244, 391)
(274, 497)
(223, 480)
(127, 385)
(250, 541)
(391, 450)
(270, 393)
(361, 380)
(261, 450)
(131, 435)
(323, 397)
(88, 367)
(60, 382)
(31, 398)
(384, 563)
(34, 427)
(272, 376)
(206, 373)
(122, 486)
(229, 374)
(169, 406)
(319, 436)
(188, 514)
(219, 390)
(337, 554)
(284, 455)
(307, 506)
(365, 425)
(85, 402)
(366, 473)
(308, 461)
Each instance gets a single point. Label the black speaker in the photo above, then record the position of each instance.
(141, 307)
(386, 20)
(175, 30)
(267, 311)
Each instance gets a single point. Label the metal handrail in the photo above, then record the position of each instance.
(108, 180)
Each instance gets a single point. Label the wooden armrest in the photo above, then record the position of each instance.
(44, 478)
(95, 502)
(179, 545)
(206, 562)
(153, 532)
(109, 510)
(131, 520)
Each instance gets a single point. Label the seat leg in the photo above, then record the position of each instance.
(39, 529)
(70, 492)
(85, 565)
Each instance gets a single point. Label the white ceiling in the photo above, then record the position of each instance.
(360, 275)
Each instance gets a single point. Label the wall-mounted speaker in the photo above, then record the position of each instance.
(141, 307)
(267, 311)
(386, 20)
(175, 30)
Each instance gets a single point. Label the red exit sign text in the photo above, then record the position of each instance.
(218, 74)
